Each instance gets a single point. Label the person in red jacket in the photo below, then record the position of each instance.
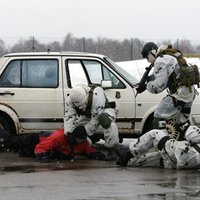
(47, 146)
(60, 146)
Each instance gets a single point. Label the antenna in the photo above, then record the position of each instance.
(33, 45)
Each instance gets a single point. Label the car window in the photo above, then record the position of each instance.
(132, 79)
(90, 72)
(30, 73)
(76, 73)
(11, 76)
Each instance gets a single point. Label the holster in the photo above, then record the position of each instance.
(161, 143)
(111, 104)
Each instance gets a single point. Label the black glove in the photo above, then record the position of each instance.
(94, 138)
(150, 78)
(141, 88)
(97, 156)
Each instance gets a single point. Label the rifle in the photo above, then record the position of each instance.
(142, 84)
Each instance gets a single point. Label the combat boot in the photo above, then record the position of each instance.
(123, 155)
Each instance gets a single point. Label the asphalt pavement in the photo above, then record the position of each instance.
(26, 179)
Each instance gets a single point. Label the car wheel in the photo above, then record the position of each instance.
(5, 124)
(148, 125)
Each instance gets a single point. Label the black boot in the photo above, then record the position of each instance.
(123, 155)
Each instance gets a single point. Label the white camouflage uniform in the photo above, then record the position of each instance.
(162, 69)
(175, 154)
(72, 119)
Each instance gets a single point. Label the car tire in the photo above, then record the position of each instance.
(5, 124)
(148, 125)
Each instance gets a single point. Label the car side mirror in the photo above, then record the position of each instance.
(106, 84)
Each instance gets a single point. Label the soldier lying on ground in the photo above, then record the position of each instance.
(47, 146)
(174, 154)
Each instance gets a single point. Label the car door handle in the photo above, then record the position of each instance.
(7, 93)
(117, 95)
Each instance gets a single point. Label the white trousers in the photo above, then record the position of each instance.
(175, 154)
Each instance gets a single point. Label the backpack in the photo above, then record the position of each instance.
(189, 74)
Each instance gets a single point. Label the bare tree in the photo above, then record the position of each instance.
(72, 44)
(53, 46)
(185, 46)
(197, 49)
(28, 46)
(3, 49)
(137, 48)
(117, 50)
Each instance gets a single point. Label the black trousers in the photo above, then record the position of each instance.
(25, 144)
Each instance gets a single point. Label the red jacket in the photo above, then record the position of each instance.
(59, 141)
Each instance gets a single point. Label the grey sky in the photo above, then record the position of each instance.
(117, 19)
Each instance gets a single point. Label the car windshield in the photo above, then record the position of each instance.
(3, 61)
(127, 76)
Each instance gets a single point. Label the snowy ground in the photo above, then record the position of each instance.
(137, 67)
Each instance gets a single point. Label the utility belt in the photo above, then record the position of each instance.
(181, 104)
(196, 147)
(111, 104)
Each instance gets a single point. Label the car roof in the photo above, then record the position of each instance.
(61, 53)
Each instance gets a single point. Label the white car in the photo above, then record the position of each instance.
(33, 87)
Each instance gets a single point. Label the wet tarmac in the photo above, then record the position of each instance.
(26, 179)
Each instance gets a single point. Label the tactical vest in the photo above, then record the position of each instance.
(87, 111)
(189, 74)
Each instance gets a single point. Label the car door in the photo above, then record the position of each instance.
(32, 88)
(93, 71)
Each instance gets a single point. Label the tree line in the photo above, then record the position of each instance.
(117, 50)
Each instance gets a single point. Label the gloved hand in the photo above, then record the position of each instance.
(141, 88)
(97, 156)
(150, 78)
